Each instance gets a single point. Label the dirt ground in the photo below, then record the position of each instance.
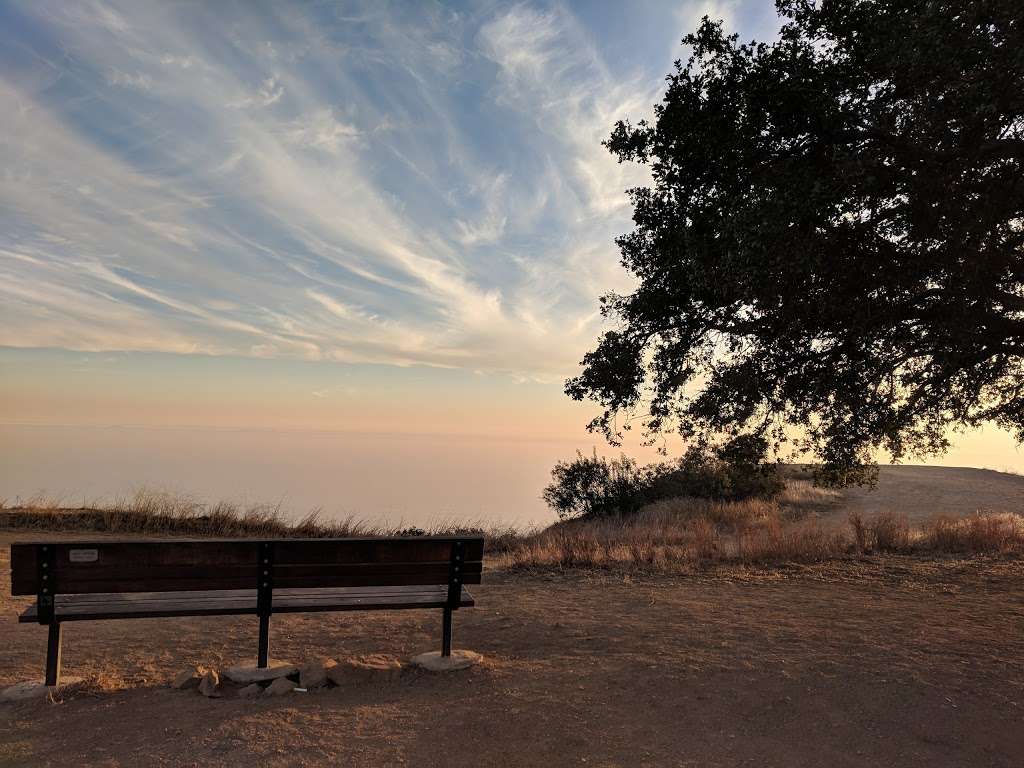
(887, 662)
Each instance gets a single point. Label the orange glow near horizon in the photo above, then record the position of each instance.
(45, 387)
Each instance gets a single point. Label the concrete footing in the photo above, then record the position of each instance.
(35, 689)
(435, 662)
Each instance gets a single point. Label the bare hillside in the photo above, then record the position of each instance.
(922, 492)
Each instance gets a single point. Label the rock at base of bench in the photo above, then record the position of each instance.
(314, 674)
(435, 662)
(250, 673)
(35, 689)
(280, 687)
(209, 686)
(188, 678)
(373, 668)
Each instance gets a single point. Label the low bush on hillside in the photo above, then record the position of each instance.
(594, 486)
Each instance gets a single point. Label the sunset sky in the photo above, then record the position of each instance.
(377, 217)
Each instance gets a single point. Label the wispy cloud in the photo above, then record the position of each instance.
(138, 80)
(321, 130)
(491, 225)
(269, 92)
(407, 186)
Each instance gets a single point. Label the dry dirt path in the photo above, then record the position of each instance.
(893, 662)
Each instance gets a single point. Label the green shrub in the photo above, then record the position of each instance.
(593, 486)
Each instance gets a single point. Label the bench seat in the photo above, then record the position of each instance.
(142, 605)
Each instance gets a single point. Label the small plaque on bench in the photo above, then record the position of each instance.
(83, 555)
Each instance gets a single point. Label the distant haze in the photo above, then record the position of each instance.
(411, 479)
(398, 478)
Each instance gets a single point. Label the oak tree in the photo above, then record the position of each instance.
(830, 251)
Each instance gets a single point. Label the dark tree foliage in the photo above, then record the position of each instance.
(831, 249)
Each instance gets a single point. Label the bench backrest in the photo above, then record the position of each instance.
(49, 568)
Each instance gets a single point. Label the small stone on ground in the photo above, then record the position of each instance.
(35, 689)
(435, 662)
(210, 684)
(313, 674)
(250, 673)
(374, 668)
(279, 687)
(338, 674)
(188, 678)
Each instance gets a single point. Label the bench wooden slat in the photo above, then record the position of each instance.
(231, 564)
(219, 594)
(186, 606)
(371, 575)
(83, 581)
(241, 596)
(125, 606)
(344, 551)
(392, 602)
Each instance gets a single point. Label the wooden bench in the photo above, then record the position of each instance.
(75, 581)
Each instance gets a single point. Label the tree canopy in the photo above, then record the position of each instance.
(830, 251)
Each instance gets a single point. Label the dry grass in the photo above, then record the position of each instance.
(982, 532)
(165, 514)
(991, 532)
(680, 532)
(801, 497)
(686, 532)
(668, 534)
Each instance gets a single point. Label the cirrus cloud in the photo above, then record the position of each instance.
(411, 185)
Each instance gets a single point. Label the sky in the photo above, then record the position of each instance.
(387, 205)
(350, 216)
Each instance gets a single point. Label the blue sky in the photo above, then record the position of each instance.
(369, 184)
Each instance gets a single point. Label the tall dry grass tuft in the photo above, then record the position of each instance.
(981, 532)
(861, 538)
(802, 542)
(884, 532)
(704, 541)
(891, 532)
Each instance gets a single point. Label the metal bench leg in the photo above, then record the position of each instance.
(264, 652)
(53, 655)
(446, 633)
